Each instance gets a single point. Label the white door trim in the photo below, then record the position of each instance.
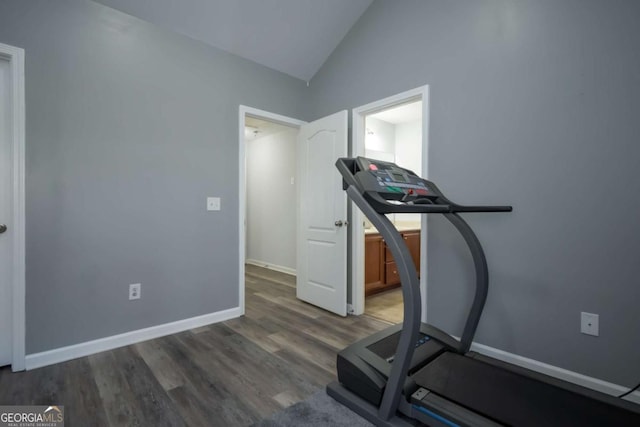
(242, 182)
(357, 229)
(15, 56)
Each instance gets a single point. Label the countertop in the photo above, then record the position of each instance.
(401, 226)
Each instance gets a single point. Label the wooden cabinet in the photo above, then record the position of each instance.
(373, 262)
(381, 272)
(391, 276)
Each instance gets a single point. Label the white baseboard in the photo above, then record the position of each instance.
(556, 372)
(270, 266)
(62, 354)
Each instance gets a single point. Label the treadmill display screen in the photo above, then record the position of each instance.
(398, 177)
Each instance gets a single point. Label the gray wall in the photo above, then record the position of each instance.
(129, 128)
(272, 199)
(535, 104)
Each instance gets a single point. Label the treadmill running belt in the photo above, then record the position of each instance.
(512, 399)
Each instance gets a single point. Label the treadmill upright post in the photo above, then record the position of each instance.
(482, 280)
(411, 300)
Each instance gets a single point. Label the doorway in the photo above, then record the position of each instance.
(12, 208)
(267, 153)
(321, 208)
(394, 135)
(271, 197)
(392, 129)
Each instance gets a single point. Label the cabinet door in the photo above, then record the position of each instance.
(412, 240)
(388, 257)
(373, 262)
(391, 274)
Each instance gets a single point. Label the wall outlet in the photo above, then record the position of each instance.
(589, 324)
(134, 291)
(213, 203)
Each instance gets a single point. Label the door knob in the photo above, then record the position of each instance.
(338, 223)
(3, 228)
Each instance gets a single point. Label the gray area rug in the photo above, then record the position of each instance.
(319, 410)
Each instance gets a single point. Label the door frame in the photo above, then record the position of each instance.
(357, 230)
(15, 56)
(243, 111)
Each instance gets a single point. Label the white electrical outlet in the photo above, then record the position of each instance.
(213, 203)
(134, 291)
(589, 324)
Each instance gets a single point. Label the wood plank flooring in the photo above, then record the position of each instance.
(231, 373)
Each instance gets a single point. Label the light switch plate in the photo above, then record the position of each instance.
(213, 203)
(589, 324)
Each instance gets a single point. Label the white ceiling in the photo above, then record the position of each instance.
(404, 113)
(292, 36)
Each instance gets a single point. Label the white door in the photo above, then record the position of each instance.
(5, 213)
(322, 231)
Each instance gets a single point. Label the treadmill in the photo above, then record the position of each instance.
(414, 373)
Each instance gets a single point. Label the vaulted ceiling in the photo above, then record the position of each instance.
(292, 36)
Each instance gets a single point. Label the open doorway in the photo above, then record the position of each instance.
(392, 129)
(268, 197)
(394, 135)
(271, 195)
(321, 207)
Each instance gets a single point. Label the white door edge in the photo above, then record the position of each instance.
(15, 56)
(243, 111)
(357, 229)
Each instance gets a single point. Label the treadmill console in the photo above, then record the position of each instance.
(392, 182)
(388, 188)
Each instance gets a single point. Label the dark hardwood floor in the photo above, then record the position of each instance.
(232, 373)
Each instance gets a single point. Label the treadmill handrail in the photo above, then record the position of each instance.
(472, 208)
(455, 207)
(406, 207)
